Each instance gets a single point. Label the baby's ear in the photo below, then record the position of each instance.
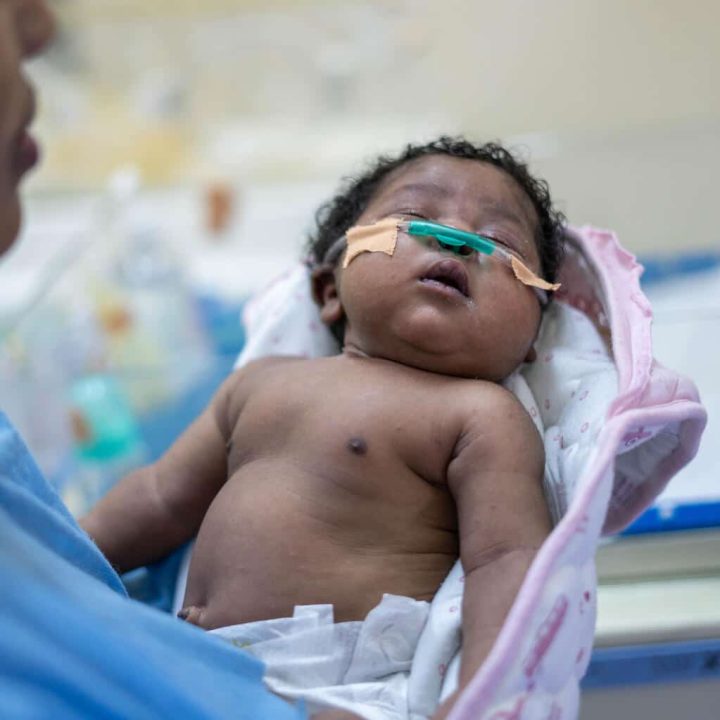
(325, 294)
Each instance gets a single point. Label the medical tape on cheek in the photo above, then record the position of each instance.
(527, 277)
(378, 237)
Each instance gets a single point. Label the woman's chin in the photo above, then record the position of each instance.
(10, 217)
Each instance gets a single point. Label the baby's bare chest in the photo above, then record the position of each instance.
(369, 423)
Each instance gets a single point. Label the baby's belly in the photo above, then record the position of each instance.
(275, 538)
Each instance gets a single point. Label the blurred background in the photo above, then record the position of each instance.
(616, 103)
(188, 143)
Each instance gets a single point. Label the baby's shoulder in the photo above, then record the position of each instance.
(256, 374)
(492, 405)
(269, 364)
(485, 391)
(261, 376)
(496, 427)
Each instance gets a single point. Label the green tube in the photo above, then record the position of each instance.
(451, 236)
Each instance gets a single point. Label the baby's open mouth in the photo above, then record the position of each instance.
(450, 274)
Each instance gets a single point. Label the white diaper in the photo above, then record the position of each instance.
(361, 666)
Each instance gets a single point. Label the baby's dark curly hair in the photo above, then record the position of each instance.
(337, 216)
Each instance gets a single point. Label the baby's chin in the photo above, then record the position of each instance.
(470, 371)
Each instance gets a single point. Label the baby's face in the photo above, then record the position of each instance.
(480, 324)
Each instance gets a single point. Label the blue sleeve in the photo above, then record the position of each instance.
(36, 508)
(72, 645)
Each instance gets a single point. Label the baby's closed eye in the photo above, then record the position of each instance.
(410, 213)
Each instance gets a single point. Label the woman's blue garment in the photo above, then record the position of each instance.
(72, 645)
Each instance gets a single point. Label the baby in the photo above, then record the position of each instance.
(341, 479)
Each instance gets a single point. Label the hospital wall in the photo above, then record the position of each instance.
(614, 101)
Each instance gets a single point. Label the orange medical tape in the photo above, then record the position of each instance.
(527, 277)
(378, 237)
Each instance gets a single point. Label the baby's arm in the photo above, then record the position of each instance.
(157, 508)
(495, 477)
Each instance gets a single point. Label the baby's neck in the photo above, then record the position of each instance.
(353, 351)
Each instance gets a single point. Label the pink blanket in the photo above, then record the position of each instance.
(651, 429)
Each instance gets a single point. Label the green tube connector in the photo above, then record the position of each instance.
(451, 236)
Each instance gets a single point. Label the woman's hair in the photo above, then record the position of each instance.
(337, 216)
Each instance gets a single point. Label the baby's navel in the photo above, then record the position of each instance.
(191, 614)
(357, 446)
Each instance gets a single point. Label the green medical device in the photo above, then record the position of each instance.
(452, 237)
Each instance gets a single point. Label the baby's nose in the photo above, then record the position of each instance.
(463, 250)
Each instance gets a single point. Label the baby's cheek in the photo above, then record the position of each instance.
(509, 321)
(364, 298)
(372, 281)
(525, 321)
